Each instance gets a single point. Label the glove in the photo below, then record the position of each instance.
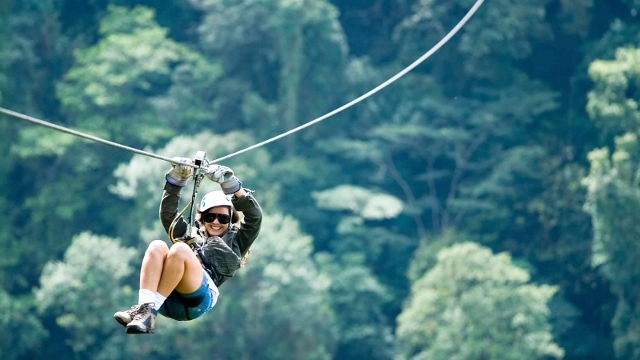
(179, 174)
(225, 177)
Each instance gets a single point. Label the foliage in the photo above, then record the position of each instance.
(613, 194)
(78, 290)
(487, 141)
(360, 202)
(440, 156)
(114, 81)
(4, 52)
(476, 305)
(32, 54)
(358, 299)
(22, 330)
(614, 100)
(425, 257)
(612, 186)
(294, 48)
(496, 36)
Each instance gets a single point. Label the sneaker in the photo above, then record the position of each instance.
(144, 321)
(126, 316)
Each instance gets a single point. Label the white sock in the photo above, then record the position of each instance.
(159, 300)
(145, 296)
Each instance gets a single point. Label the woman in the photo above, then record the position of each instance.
(177, 282)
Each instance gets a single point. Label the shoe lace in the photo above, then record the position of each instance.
(142, 312)
(134, 310)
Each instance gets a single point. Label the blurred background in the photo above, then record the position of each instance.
(484, 206)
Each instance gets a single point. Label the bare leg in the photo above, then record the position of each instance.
(141, 319)
(182, 271)
(152, 265)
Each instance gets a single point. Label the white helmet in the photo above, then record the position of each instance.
(215, 198)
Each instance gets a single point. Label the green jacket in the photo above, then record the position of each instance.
(235, 243)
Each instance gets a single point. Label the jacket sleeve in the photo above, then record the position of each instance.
(169, 209)
(252, 222)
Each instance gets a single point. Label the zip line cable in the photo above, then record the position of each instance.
(420, 60)
(424, 57)
(79, 134)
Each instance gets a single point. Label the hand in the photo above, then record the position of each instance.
(179, 174)
(225, 177)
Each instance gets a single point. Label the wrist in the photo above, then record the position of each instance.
(240, 193)
(231, 187)
(174, 181)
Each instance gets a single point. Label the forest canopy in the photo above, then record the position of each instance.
(481, 207)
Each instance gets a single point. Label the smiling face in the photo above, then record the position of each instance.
(217, 220)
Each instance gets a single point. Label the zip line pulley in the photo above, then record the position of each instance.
(200, 164)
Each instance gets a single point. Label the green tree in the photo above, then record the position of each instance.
(486, 46)
(111, 88)
(22, 330)
(358, 210)
(287, 51)
(81, 291)
(5, 36)
(112, 84)
(614, 101)
(358, 299)
(271, 65)
(613, 188)
(361, 297)
(613, 198)
(476, 305)
(467, 132)
(363, 218)
(560, 234)
(31, 55)
(448, 160)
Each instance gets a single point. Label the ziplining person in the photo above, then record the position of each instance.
(181, 281)
(242, 199)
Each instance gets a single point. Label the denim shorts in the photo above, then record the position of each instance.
(184, 307)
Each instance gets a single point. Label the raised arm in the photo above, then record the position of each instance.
(176, 179)
(245, 201)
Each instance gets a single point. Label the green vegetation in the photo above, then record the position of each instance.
(482, 207)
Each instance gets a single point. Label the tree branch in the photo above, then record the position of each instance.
(406, 189)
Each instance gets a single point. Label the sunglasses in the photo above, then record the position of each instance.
(210, 217)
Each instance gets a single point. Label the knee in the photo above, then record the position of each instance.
(158, 248)
(180, 250)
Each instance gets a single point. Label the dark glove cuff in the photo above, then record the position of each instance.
(234, 187)
(173, 181)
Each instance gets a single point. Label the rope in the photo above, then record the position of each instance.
(82, 135)
(420, 60)
(424, 57)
